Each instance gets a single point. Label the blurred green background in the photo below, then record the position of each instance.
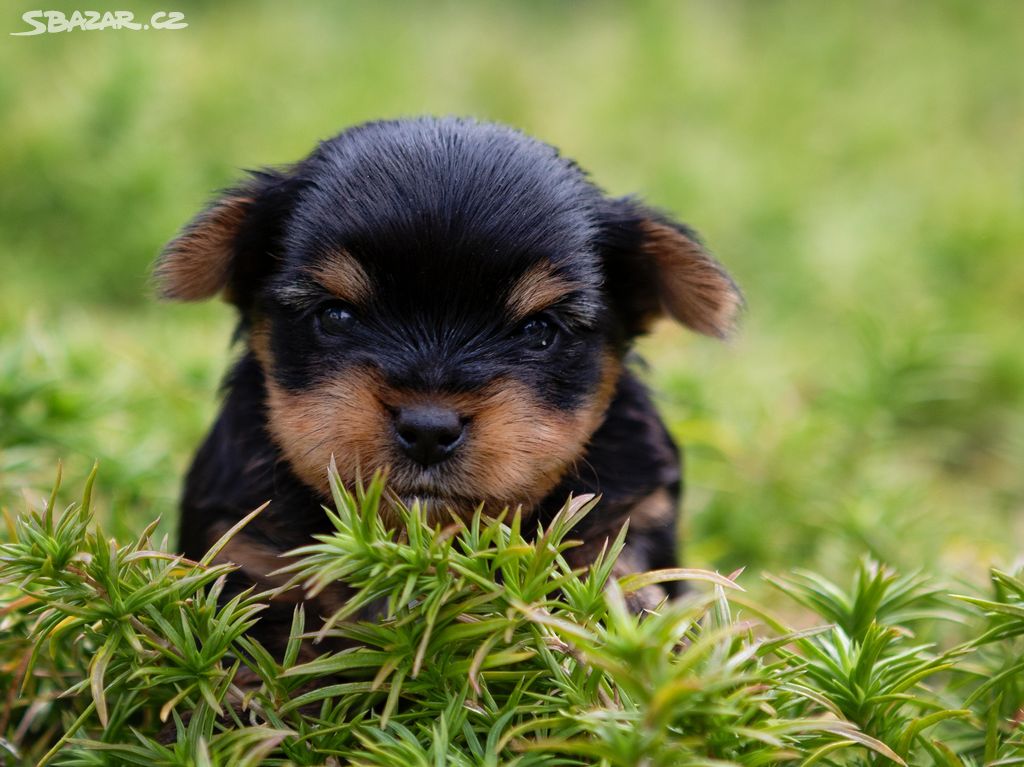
(858, 166)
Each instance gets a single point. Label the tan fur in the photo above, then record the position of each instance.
(345, 278)
(693, 287)
(253, 559)
(195, 265)
(342, 417)
(653, 512)
(259, 342)
(259, 563)
(536, 290)
(516, 449)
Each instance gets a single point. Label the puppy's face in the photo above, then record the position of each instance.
(445, 299)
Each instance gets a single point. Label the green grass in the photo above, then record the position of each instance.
(489, 650)
(857, 167)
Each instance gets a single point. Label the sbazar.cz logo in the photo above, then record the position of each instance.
(43, 22)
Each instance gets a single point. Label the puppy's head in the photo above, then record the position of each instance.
(445, 298)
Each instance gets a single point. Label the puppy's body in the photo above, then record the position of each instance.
(453, 301)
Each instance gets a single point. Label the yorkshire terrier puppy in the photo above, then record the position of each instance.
(453, 301)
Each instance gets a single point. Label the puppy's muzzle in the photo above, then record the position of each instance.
(428, 434)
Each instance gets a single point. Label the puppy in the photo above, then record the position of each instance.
(451, 300)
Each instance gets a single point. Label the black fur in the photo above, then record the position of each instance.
(444, 215)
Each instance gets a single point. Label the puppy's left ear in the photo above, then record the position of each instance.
(656, 266)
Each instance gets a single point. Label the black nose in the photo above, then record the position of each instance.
(428, 434)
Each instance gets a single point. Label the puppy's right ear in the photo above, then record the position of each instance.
(225, 245)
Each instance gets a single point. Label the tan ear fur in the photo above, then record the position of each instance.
(693, 287)
(196, 264)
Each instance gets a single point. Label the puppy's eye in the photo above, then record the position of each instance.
(335, 318)
(538, 333)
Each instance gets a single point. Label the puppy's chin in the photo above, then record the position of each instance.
(438, 509)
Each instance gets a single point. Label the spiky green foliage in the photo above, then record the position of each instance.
(487, 649)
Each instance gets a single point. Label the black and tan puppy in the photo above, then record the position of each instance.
(452, 300)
